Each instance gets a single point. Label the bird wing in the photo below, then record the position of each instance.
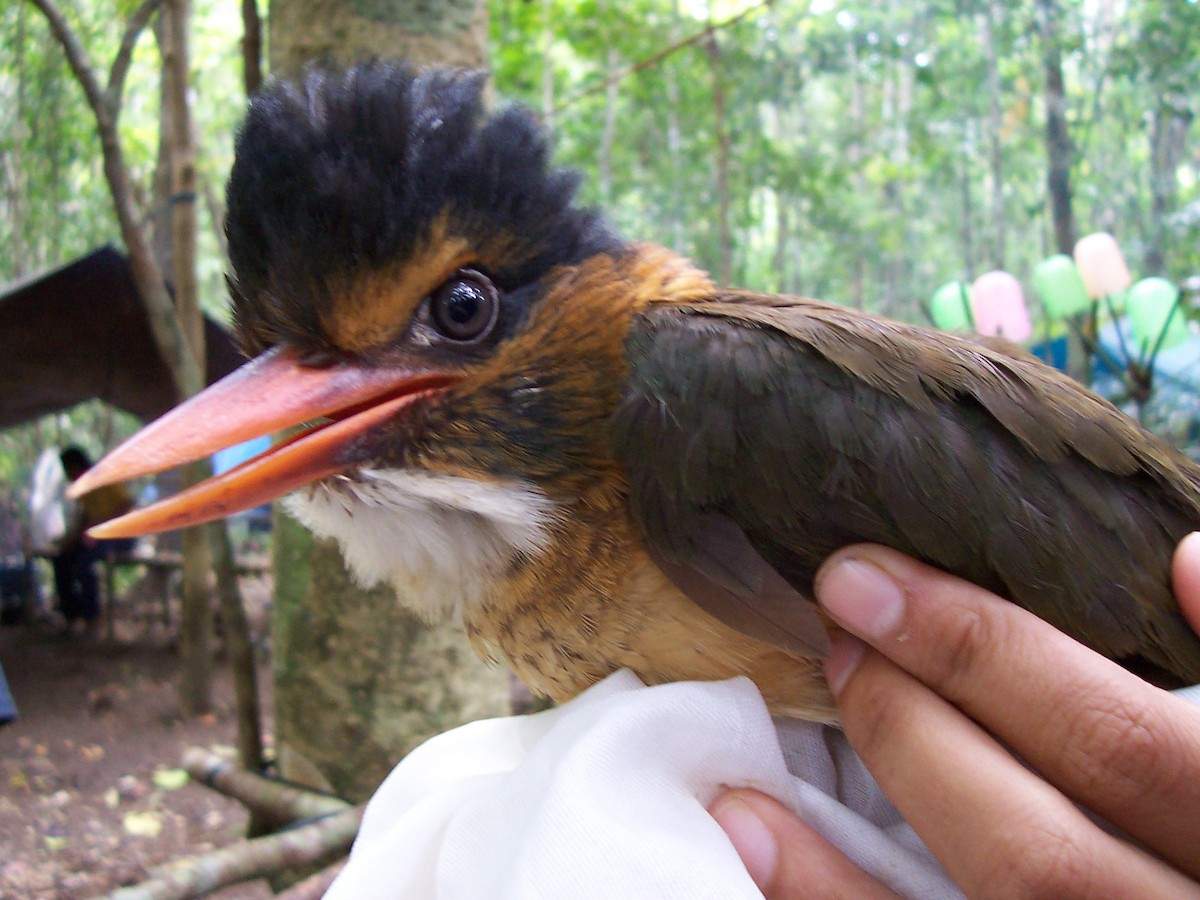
(760, 431)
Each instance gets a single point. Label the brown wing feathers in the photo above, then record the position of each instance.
(812, 426)
(1050, 413)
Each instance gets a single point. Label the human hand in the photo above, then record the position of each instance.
(944, 689)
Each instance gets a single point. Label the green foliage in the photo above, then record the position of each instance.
(52, 183)
(54, 198)
(859, 133)
(52, 187)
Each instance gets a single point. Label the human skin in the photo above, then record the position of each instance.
(941, 687)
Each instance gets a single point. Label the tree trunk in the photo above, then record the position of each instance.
(195, 632)
(15, 192)
(186, 368)
(675, 141)
(174, 225)
(856, 155)
(445, 32)
(898, 101)
(251, 47)
(604, 156)
(967, 204)
(783, 238)
(996, 123)
(239, 647)
(720, 129)
(176, 324)
(1059, 155)
(1059, 150)
(1168, 135)
(359, 681)
(547, 66)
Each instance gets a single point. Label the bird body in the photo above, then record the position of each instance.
(593, 456)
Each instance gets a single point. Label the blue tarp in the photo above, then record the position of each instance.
(224, 460)
(8, 707)
(1173, 408)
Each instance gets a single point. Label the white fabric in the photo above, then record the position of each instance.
(606, 797)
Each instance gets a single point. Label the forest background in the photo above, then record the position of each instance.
(862, 153)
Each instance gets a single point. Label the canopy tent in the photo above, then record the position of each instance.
(80, 332)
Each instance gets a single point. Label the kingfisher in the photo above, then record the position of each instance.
(593, 456)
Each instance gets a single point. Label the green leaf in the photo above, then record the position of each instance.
(143, 824)
(170, 779)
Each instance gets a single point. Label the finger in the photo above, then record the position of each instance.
(1109, 740)
(785, 856)
(1185, 576)
(996, 827)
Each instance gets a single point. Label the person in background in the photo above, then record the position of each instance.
(18, 585)
(16, 579)
(75, 576)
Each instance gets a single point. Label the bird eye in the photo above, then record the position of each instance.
(464, 308)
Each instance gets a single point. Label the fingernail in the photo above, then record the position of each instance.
(860, 597)
(750, 836)
(845, 653)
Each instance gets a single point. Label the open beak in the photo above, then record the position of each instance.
(270, 393)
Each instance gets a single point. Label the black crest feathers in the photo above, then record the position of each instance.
(344, 172)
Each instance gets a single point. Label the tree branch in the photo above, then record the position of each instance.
(186, 369)
(278, 802)
(656, 58)
(314, 886)
(199, 875)
(78, 61)
(120, 65)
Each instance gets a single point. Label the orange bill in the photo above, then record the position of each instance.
(268, 394)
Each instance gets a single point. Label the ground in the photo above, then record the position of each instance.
(90, 792)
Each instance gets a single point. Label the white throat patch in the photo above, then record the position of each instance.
(437, 538)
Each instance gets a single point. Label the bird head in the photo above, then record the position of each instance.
(419, 291)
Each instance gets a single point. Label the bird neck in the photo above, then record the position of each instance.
(659, 275)
(591, 601)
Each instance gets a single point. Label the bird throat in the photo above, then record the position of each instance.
(594, 602)
(438, 539)
(565, 597)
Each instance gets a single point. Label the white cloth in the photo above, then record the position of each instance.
(606, 797)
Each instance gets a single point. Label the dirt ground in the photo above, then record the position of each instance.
(91, 797)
